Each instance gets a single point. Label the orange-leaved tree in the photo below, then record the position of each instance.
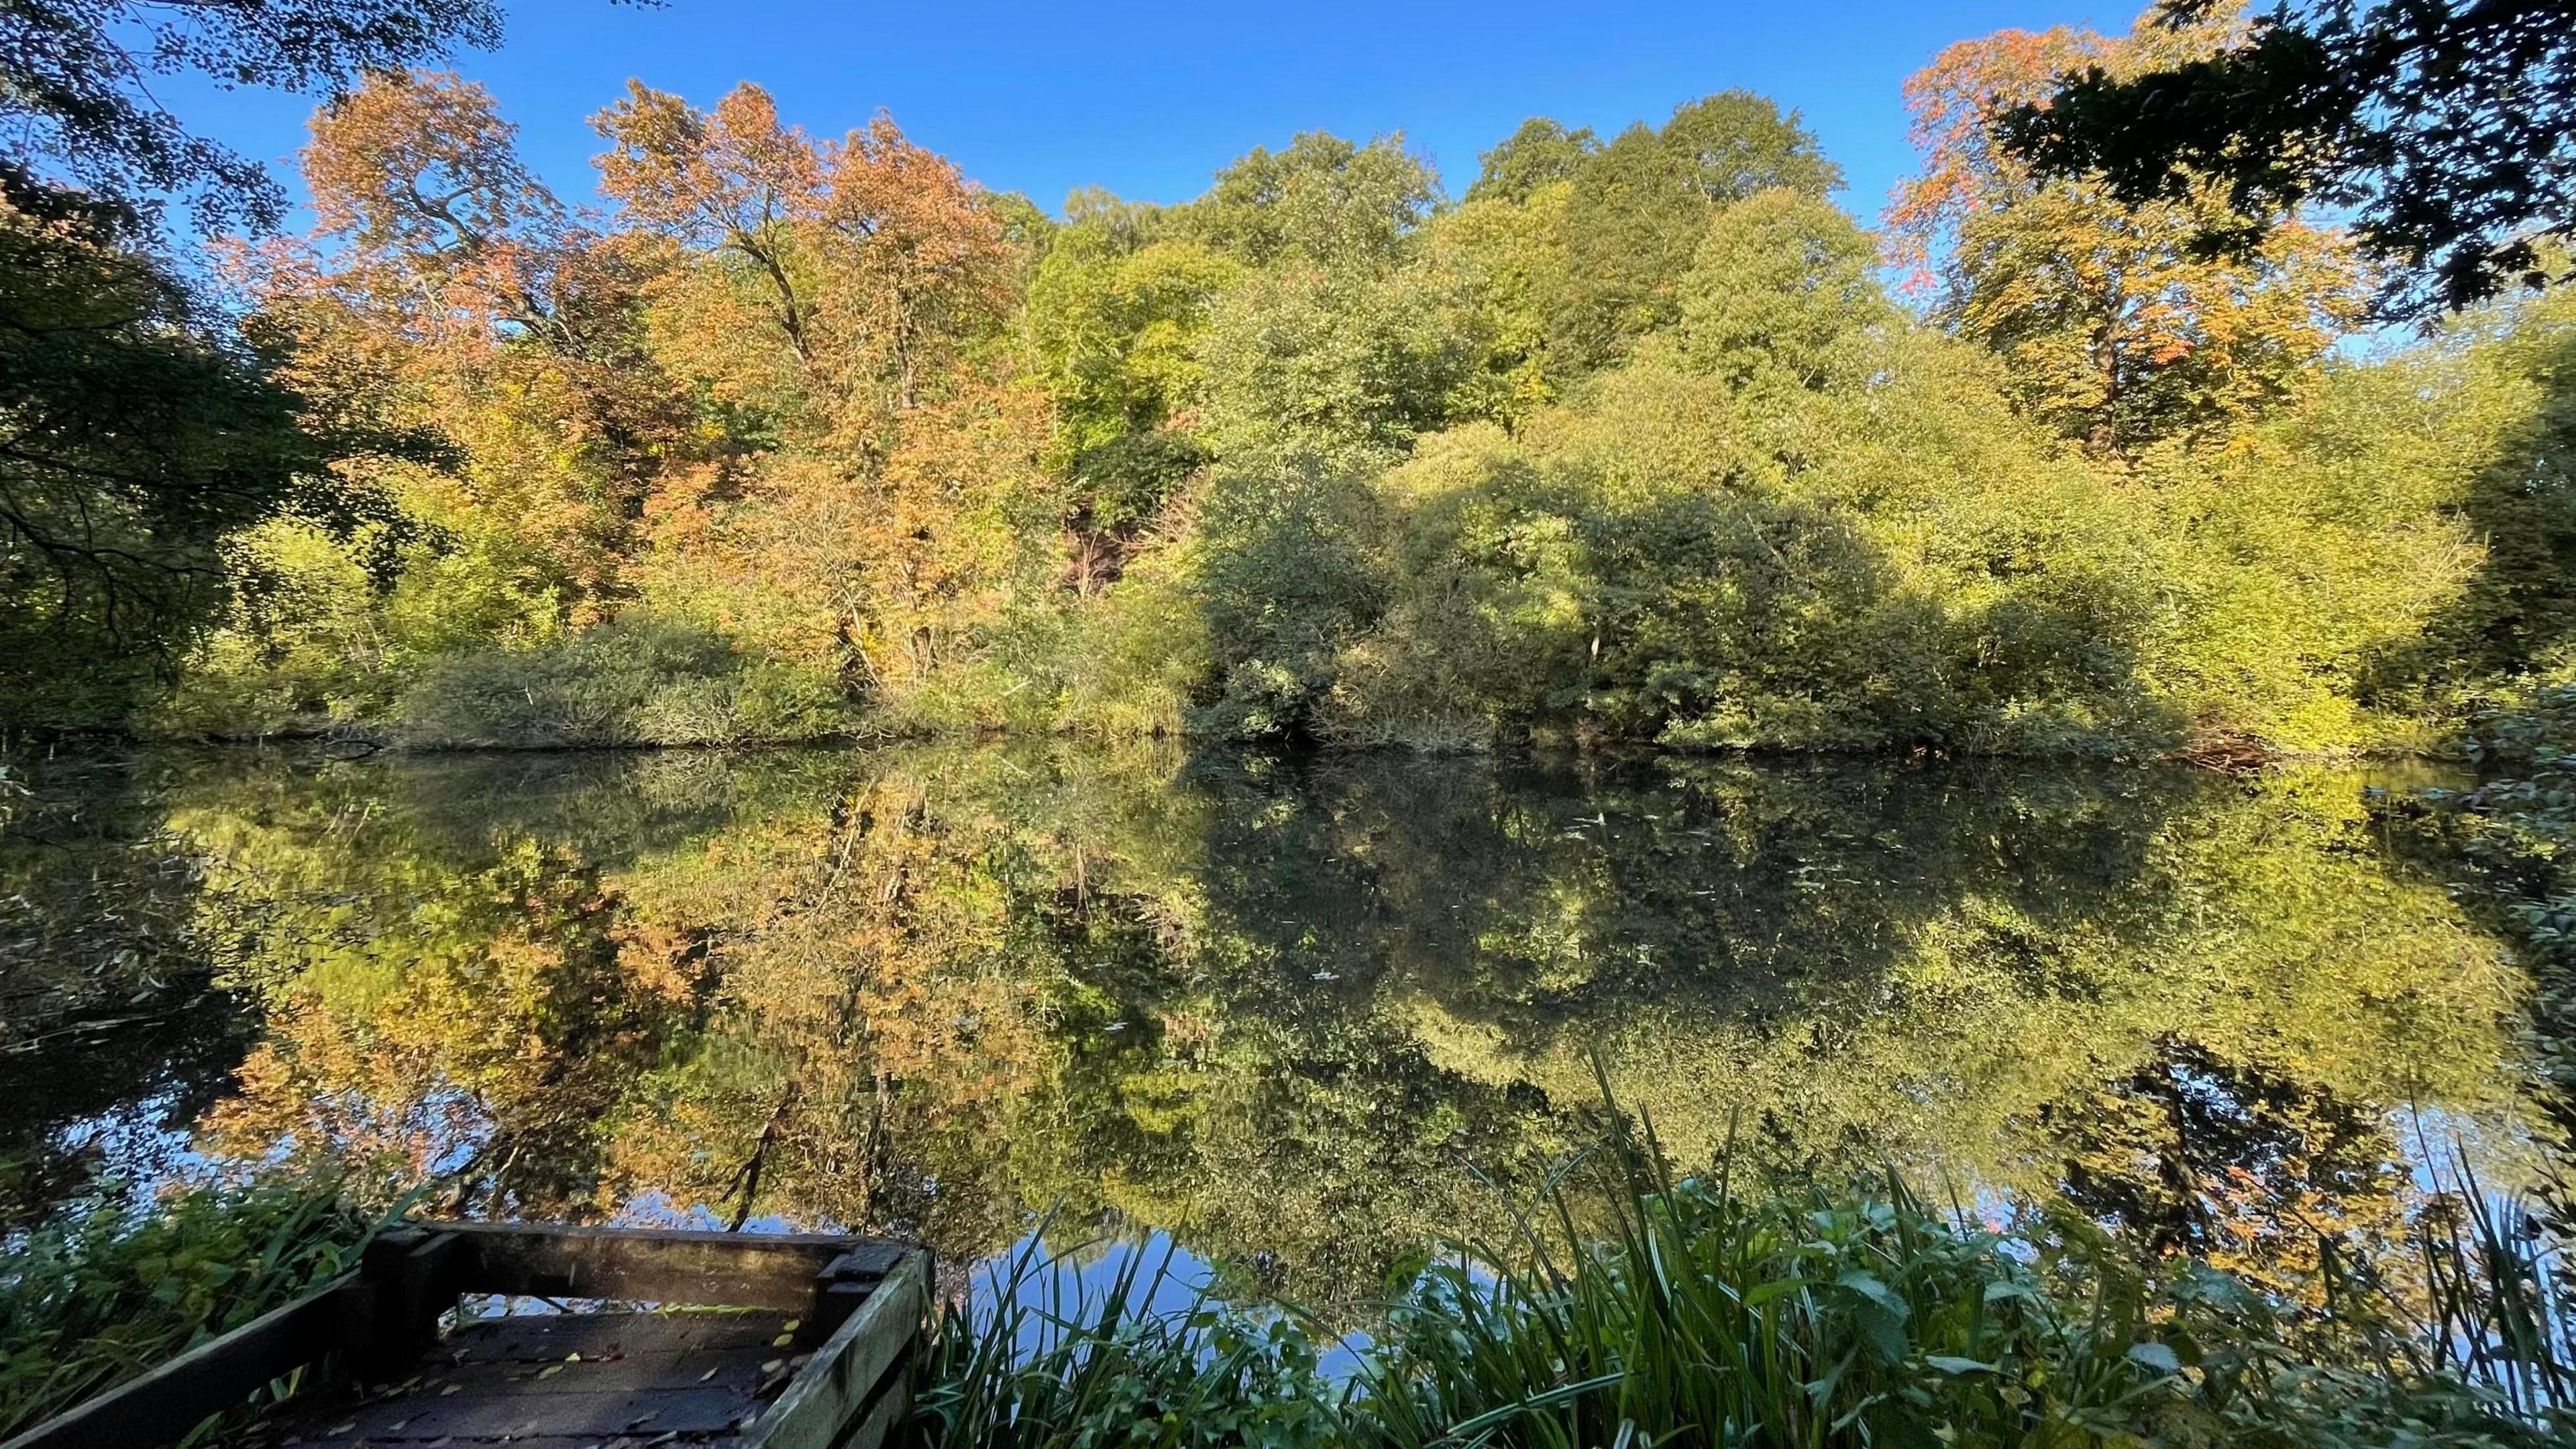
(2123, 331)
(831, 296)
(444, 287)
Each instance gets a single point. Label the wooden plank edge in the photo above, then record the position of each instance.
(883, 1420)
(843, 1375)
(736, 1270)
(822, 1245)
(166, 1402)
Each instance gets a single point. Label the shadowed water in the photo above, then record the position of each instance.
(1298, 1016)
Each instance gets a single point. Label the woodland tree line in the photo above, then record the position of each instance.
(1635, 438)
(2096, 444)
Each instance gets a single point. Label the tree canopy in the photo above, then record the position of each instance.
(75, 81)
(2447, 128)
(1633, 440)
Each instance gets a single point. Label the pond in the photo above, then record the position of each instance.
(1300, 1016)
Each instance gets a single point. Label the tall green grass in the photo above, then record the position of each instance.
(1643, 1309)
(2487, 1313)
(102, 1298)
(1635, 1307)
(1051, 1358)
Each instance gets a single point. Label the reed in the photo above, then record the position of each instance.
(1641, 1308)
(1052, 1356)
(1636, 1307)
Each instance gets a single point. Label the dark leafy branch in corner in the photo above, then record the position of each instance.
(75, 83)
(2447, 127)
(136, 436)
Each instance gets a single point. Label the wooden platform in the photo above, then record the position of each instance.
(572, 1380)
(754, 1342)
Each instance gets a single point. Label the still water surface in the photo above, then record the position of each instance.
(1299, 1016)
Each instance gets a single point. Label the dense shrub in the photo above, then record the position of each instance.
(633, 681)
(1799, 522)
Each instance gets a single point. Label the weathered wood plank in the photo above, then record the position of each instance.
(737, 1369)
(600, 1375)
(219, 1374)
(848, 1371)
(884, 1420)
(549, 1337)
(700, 1409)
(741, 1270)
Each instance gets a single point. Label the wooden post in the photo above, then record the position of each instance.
(415, 1274)
(859, 1377)
(843, 1285)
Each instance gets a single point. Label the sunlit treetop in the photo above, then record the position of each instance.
(2447, 127)
(2122, 328)
(1540, 152)
(75, 85)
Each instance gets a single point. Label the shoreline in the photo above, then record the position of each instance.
(2223, 756)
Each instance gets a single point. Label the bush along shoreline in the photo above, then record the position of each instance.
(121, 1286)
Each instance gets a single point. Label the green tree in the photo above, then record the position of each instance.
(1640, 204)
(1324, 201)
(1510, 263)
(141, 433)
(1783, 283)
(1337, 347)
(1541, 153)
(2447, 127)
(1117, 324)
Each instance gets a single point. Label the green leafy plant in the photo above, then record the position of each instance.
(1635, 1306)
(121, 1287)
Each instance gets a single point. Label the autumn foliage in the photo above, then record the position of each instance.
(2121, 328)
(795, 435)
(745, 401)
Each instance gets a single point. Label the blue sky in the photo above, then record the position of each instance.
(1148, 100)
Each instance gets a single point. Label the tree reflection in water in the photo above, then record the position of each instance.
(1289, 1011)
